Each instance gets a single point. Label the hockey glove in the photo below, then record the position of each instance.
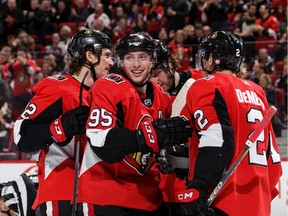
(172, 131)
(146, 136)
(162, 133)
(174, 159)
(197, 205)
(69, 124)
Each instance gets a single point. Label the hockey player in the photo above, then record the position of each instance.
(118, 175)
(53, 118)
(165, 74)
(172, 185)
(225, 109)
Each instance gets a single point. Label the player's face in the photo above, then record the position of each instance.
(161, 78)
(106, 62)
(137, 66)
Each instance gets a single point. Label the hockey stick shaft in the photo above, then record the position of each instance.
(252, 138)
(180, 99)
(77, 157)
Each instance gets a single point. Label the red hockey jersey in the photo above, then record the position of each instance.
(134, 181)
(53, 96)
(226, 109)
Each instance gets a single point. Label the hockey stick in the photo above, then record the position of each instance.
(77, 153)
(180, 99)
(252, 138)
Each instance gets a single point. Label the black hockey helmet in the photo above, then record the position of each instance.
(162, 53)
(226, 48)
(88, 39)
(136, 42)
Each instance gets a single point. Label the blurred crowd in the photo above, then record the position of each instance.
(34, 35)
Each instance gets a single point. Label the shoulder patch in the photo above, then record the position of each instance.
(58, 77)
(115, 78)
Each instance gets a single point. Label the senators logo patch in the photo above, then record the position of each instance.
(140, 162)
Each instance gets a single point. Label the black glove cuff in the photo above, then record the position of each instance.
(199, 185)
(142, 147)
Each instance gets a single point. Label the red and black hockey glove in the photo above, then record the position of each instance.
(162, 133)
(172, 131)
(196, 205)
(69, 124)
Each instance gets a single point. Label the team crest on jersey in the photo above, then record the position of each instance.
(140, 162)
(115, 78)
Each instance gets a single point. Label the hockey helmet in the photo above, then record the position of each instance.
(162, 53)
(135, 42)
(88, 39)
(226, 48)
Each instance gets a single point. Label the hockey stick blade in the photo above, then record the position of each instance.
(180, 99)
(252, 138)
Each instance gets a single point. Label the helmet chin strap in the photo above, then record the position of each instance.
(91, 67)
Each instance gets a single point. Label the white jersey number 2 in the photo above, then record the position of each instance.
(256, 156)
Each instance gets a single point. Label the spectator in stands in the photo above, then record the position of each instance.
(207, 30)
(119, 15)
(163, 36)
(267, 60)
(216, 12)
(197, 14)
(257, 70)
(20, 72)
(48, 13)
(182, 53)
(65, 34)
(5, 106)
(57, 45)
(265, 29)
(155, 16)
(35, 21)
(195, 40)
(62, 12)
(98, 25)
(281, 83)
(23, 39)
(12, 19)
(176, 12)
(79, 12)
(266, 83)
(5, 54)
(98, 14)
(189, 32)
(281, 50)
(138, 20)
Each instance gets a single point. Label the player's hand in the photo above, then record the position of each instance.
(196, 205)
(174, 159)
(69, 124)
(162, 133)
(172, 131)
